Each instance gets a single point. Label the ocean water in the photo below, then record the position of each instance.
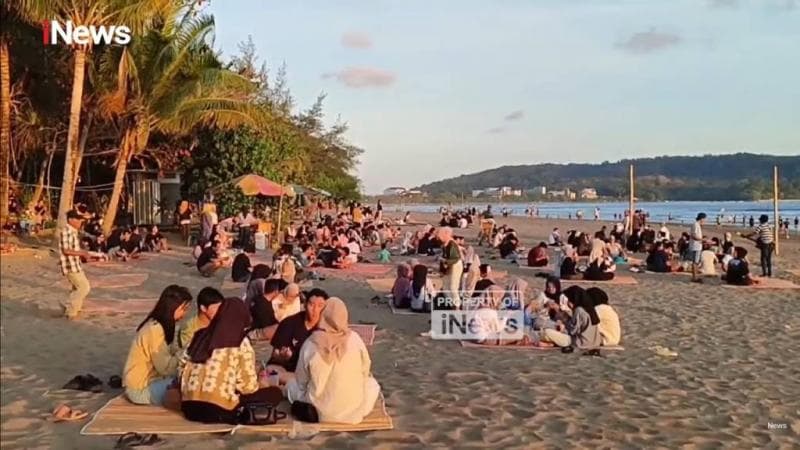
(674, 212)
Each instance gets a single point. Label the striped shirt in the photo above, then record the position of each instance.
(69, 241)
(764, 233)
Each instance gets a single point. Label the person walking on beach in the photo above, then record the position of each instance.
(696, 245)
(764, 237)
(452, 266)
(70, 255)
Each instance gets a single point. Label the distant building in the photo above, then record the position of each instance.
(565, 194)
(516, 192)
(477, 192)
(394, 191)
(538, 190)
(589, 193)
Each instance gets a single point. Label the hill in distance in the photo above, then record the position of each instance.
(741, 176)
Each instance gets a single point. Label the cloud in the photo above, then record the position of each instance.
(723, 3)
(649, 41)
(362, 77)
(515, 115)
(496, 130)
(356, 40)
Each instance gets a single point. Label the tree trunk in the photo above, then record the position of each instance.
(76, 170)
(5, 128)
(70, 159)
(37, 193)
(125, 151)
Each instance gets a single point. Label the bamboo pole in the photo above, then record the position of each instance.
(630, 204)
(775, 207)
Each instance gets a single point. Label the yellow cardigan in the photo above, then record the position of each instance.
(149, 358)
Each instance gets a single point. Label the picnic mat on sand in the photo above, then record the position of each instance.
(384, 285)
(618, 279)
(767, 283)
(469, 344)
(365, 330)
(357, 271)
(119, 416)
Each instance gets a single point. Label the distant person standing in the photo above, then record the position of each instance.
(452, 267)
(786, 228)
(70, 256)
(488, 213)
(764, 237)
(752, 222)
(379, 211)
(696, 245)
(597, 214)
(796, 223)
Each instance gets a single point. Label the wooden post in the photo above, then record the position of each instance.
(630, 204)
(775, 206)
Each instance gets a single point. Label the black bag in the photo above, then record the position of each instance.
(259, 414)
(305, 412)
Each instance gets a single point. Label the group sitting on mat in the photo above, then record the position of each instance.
(207, 368)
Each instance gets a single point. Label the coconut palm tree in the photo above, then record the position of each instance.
(170, 81)
(138, 15)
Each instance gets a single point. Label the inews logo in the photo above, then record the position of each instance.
(53, 33)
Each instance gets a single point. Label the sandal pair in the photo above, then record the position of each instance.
(131, 440)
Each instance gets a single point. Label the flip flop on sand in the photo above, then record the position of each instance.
(64, 413)
(131, 440)
(664, 351)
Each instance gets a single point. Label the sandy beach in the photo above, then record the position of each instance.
(734, 383)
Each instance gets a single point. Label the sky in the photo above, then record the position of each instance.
(433, 89)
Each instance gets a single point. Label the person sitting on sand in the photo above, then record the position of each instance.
(555, 238)
(658, 260)
(289, 303)
(727, 246)
(422, 290)
(255, 284)
(515, 295)
(401, 289)
(609, 319)
(615, 250)
(739, 269)
(210, 260)
(151, 366)
(581, 330)
(708, 261)
(220, 376)
(240, 269)
(509, 245)
(537, 256)
(600, 270)
(293, 332)
(208, 301)
(384, 257)
(549, 307)
(569, 264)
(263, 309)
(333, 371)
(485, 280)
(155, 241)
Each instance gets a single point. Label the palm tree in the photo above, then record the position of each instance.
(138, 15)
(169, 82)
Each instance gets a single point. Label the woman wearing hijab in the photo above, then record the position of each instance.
(581, 330)
(333, 371)
(569, 265)
(422, 290)
(550, 307)
(473, 271)
(609, 320)
(220, 372)
(401, 295)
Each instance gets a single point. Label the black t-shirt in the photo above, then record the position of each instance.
(240, 271)
(153, 238)
(132, 244)
(738, 269)
(292, 333)
(115, 239)
(263, 314)
(568, 267)
(657, 262)
(481, 286)
(206, 256)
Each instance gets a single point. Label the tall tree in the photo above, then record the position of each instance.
(168, 82)
(138, 15)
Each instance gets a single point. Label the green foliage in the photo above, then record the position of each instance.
(740, 176)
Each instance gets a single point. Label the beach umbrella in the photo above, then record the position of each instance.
(252, 184)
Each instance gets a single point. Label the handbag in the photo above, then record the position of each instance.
(259, 414)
